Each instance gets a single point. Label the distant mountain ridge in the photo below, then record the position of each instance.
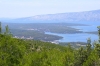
(93, 15)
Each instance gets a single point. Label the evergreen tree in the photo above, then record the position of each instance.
(99, 32)
(0, 28)
(88, 46)
(80, 57)
(7, 32)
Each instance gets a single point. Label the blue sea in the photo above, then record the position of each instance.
(80, 37)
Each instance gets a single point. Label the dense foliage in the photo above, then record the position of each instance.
(18, 52)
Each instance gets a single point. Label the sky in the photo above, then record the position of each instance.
(28, 8)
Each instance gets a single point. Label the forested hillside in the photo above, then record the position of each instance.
(18, 52)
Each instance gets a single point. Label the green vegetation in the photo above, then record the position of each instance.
(74, 44)
(18, 52)
(36, 35)
(62, 28)
(37, 30)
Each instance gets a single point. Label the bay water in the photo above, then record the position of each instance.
(80, 37)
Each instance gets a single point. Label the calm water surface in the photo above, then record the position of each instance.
(81, 37)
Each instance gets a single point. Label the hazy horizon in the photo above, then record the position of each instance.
(27, 8)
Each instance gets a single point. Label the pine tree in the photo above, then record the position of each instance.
(0, 28)
(88, 46)
(7, 32)
(99, 32)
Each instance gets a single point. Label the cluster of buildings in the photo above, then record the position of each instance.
(22, 37)
(31, 38)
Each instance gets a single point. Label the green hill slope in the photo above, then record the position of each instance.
(17, 52)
